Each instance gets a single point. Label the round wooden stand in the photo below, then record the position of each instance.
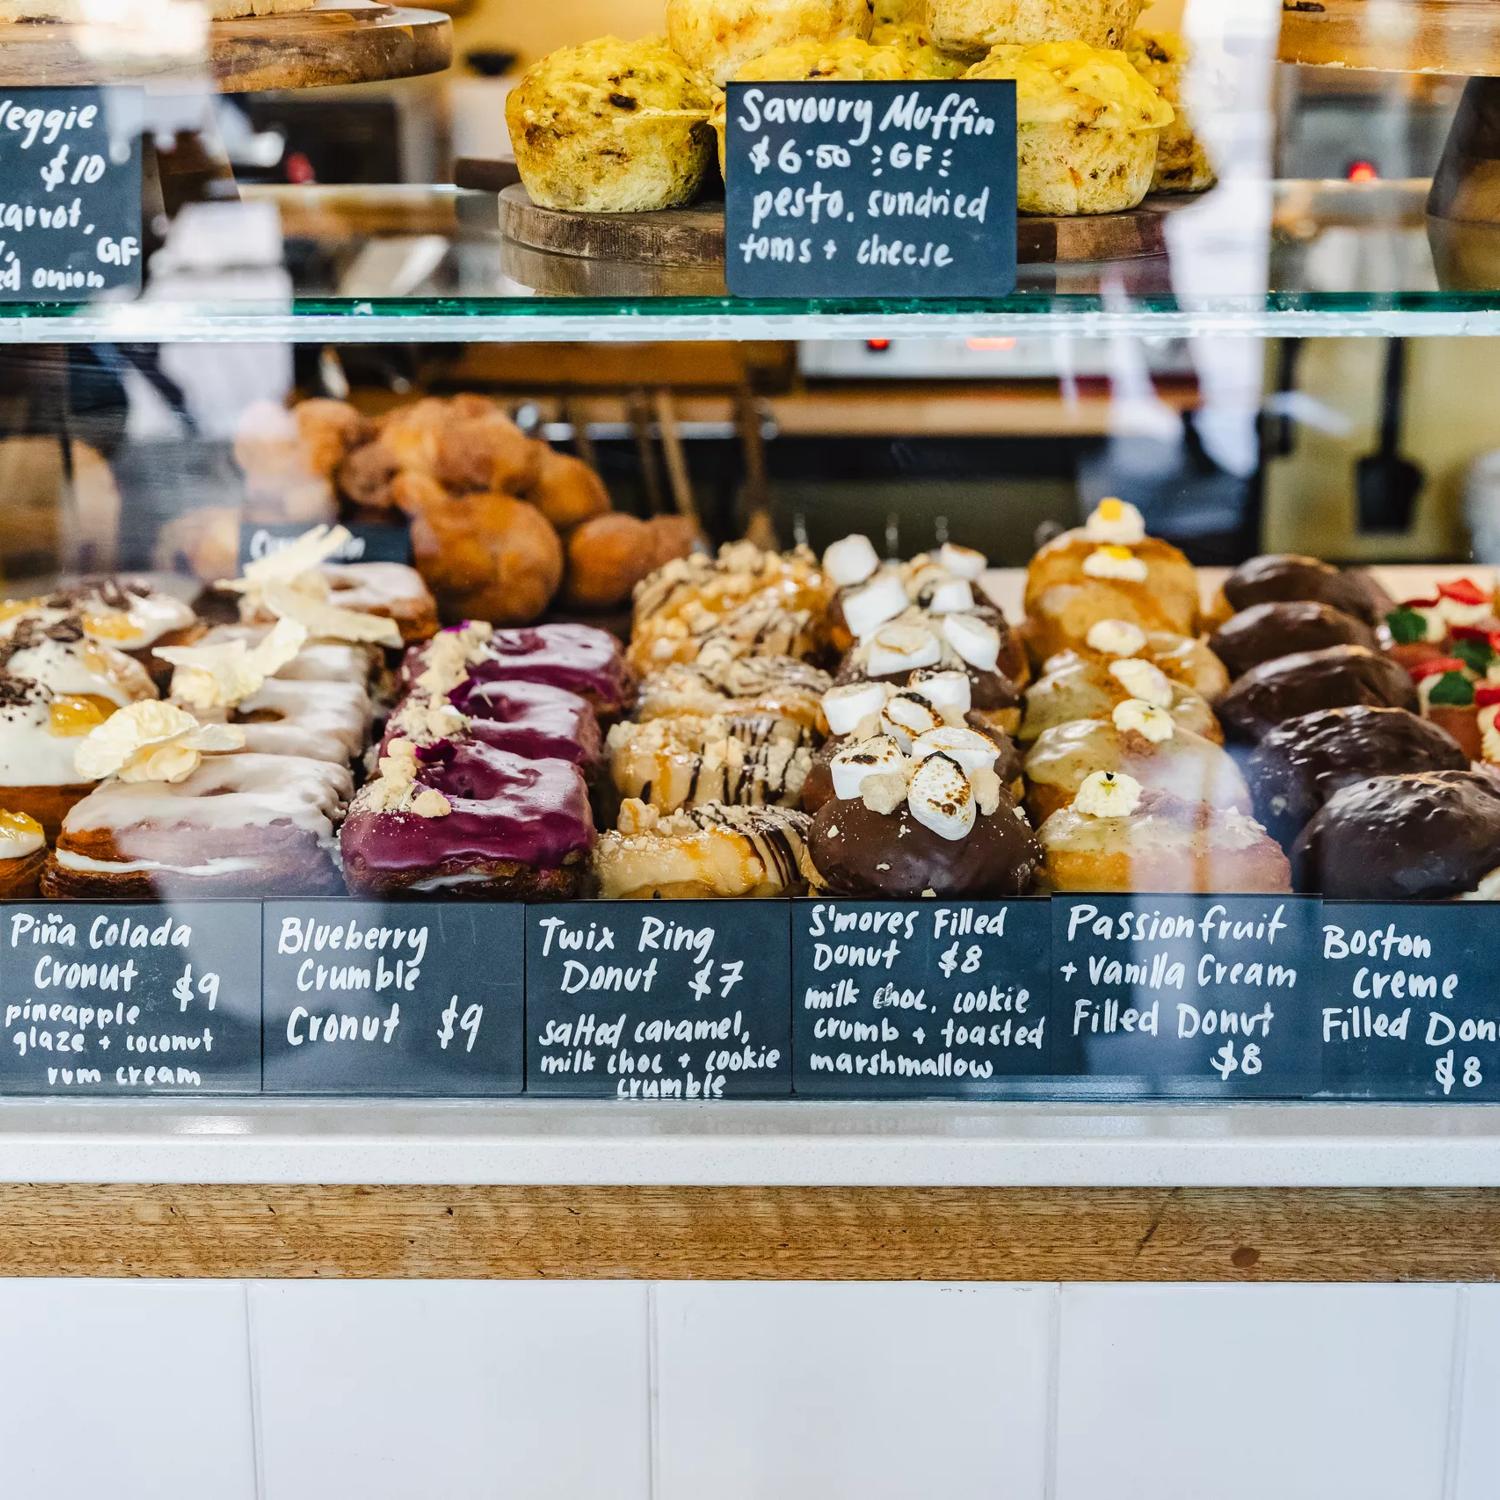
(680, 251)
(351, 42)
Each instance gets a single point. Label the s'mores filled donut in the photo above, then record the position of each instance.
(916, 642)
(1139, 740)
(1117, 835)
(180, 816)
(578, 658)
(1107, 569)
(465, 819)
(934, 705)
(936, 822)
(700, 853)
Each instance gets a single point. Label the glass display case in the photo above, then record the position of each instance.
(453, 647)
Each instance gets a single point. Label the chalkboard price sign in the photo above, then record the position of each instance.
(369, 997)
(368, 541)
(106, 999)
(844, 189)
(1187, 995)
(919, 999)
(660, 1000)
(1408, 1007)
(70, 193)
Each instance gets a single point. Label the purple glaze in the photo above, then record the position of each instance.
(576, 657)
(533, 812)
(531, 719)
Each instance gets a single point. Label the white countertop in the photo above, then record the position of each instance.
(797, 1143)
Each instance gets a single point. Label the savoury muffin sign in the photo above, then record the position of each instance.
(870, 189)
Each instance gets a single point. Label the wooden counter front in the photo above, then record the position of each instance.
(742, 1233)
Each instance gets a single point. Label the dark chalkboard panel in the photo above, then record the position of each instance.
(116, 999)
(1407, 1001)
(658, 1000)
(841, 189)
(371, 997)
(368, 541)
(70, 193)
(1187, 995)
(919, 999)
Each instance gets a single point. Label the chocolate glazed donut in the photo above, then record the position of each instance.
(1263, 580)
(1424, 837)
(1300, 764)
(1282, 628)
(860, 852)
(1289, 686)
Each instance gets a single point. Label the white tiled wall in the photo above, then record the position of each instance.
(710, 1391)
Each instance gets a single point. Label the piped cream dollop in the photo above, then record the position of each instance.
(1116, 638)
(1117, 521)
(1134, 716)
(1108, 794)
(1142, 680)
(1115, 561)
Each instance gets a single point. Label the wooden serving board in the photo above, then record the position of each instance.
(332, 43)
(1393, 36)
(680, 251)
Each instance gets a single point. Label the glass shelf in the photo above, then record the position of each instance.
(428, 264)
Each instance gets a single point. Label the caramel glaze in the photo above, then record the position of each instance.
(1420, 837)
(1289, 686)
(1283, 627)
(1285, 575)
(1301, 763)
(859, 852)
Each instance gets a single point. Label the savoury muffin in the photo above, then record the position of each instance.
(912, 39)
(811, 60)
(972, 27)
(610, 127)
(718, 37)
(1182, 165)
(1087, 127)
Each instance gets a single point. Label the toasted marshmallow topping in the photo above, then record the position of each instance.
(1142, 680)
(151, 742)
(941, 798)
(850, 560)
(1115, 521)
(975, 640)
(948, 692)
(1116, 638)
(1108, 794)
(902, 648)
(970, 749)
(1134, 716)
(906, 715)
(1117, 562)
(847, 707)
(949, 596)
(220, 676)
(867, 609)
(962, 562)
(855, 764)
